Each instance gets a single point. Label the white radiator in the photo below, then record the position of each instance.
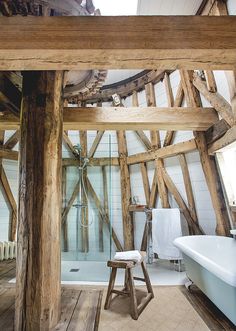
(7, 250)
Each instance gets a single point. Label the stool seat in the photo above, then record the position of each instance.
(129, 288)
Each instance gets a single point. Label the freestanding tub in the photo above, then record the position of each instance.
(211, 264)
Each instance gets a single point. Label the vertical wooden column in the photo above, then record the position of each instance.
(208, 162)
(231, 78)
(128, 227)
(156, 143)
(38, 276)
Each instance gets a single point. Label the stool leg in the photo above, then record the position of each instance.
(147, 279)
(110, 288)
(134, 305)
(126, 282)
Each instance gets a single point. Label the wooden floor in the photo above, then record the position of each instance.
(211, 315)
(80, 308)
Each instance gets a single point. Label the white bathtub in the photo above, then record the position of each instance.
(211, 264)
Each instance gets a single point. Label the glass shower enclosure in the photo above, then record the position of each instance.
(86, 228)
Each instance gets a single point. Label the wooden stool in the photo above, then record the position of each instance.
(129, 288)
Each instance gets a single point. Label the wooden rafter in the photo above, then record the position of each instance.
(68, 144)
(216, 131)
(156, 145)
(131, 118)
(188, 187)
(117, 42)
(228, 138)
(169, 92)
(95, 144)
(12, 141)
(70, 203)
(94, 162)
(104, 215)
(210, 81)
(7, 193)
(164, 152)
(152, 201)
(215, 99)
(208, 163)
(128, 227)
(146, 186)
(177, 103)
(195, 228)
(140, 134)
(8, 154)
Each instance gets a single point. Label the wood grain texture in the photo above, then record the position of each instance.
(177, 103)
(228, 138)
(105, 216)
(195, 228)
(63, 43)
(133, 118)
(8, 154)
(12, 141)
(10, 200)
(39, 217)
(215, 99)
(216, 131)
(164, 152)
(188, 187)
(128, 226)
(208, 162)
(94, 162)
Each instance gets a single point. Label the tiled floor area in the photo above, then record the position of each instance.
(160, 272)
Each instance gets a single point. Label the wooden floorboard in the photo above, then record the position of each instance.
(80, 309)
(211, 315)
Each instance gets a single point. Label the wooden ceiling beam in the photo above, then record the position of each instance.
(8, 154)
(75, 43)
(228, 138)
(215, 99)
(164, 152)
(122, 118)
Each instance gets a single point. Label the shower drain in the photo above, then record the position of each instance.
(74, 270)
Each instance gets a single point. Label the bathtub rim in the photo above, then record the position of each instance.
(227, 276)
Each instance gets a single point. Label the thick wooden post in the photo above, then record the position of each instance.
(128, 226)
(208, 162)
(38, 281)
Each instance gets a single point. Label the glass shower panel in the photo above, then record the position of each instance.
(86, 231)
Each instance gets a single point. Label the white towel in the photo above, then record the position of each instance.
(128, 255)
(166, 227)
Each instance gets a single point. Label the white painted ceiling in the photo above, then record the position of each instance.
(143, 7)
(168, 7)
(114, 76)
(147, 7)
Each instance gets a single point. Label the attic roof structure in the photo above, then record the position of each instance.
(148, 98)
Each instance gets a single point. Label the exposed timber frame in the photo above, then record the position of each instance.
(131, 43)
(160, 50)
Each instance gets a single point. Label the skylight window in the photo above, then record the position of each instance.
(116, 8)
